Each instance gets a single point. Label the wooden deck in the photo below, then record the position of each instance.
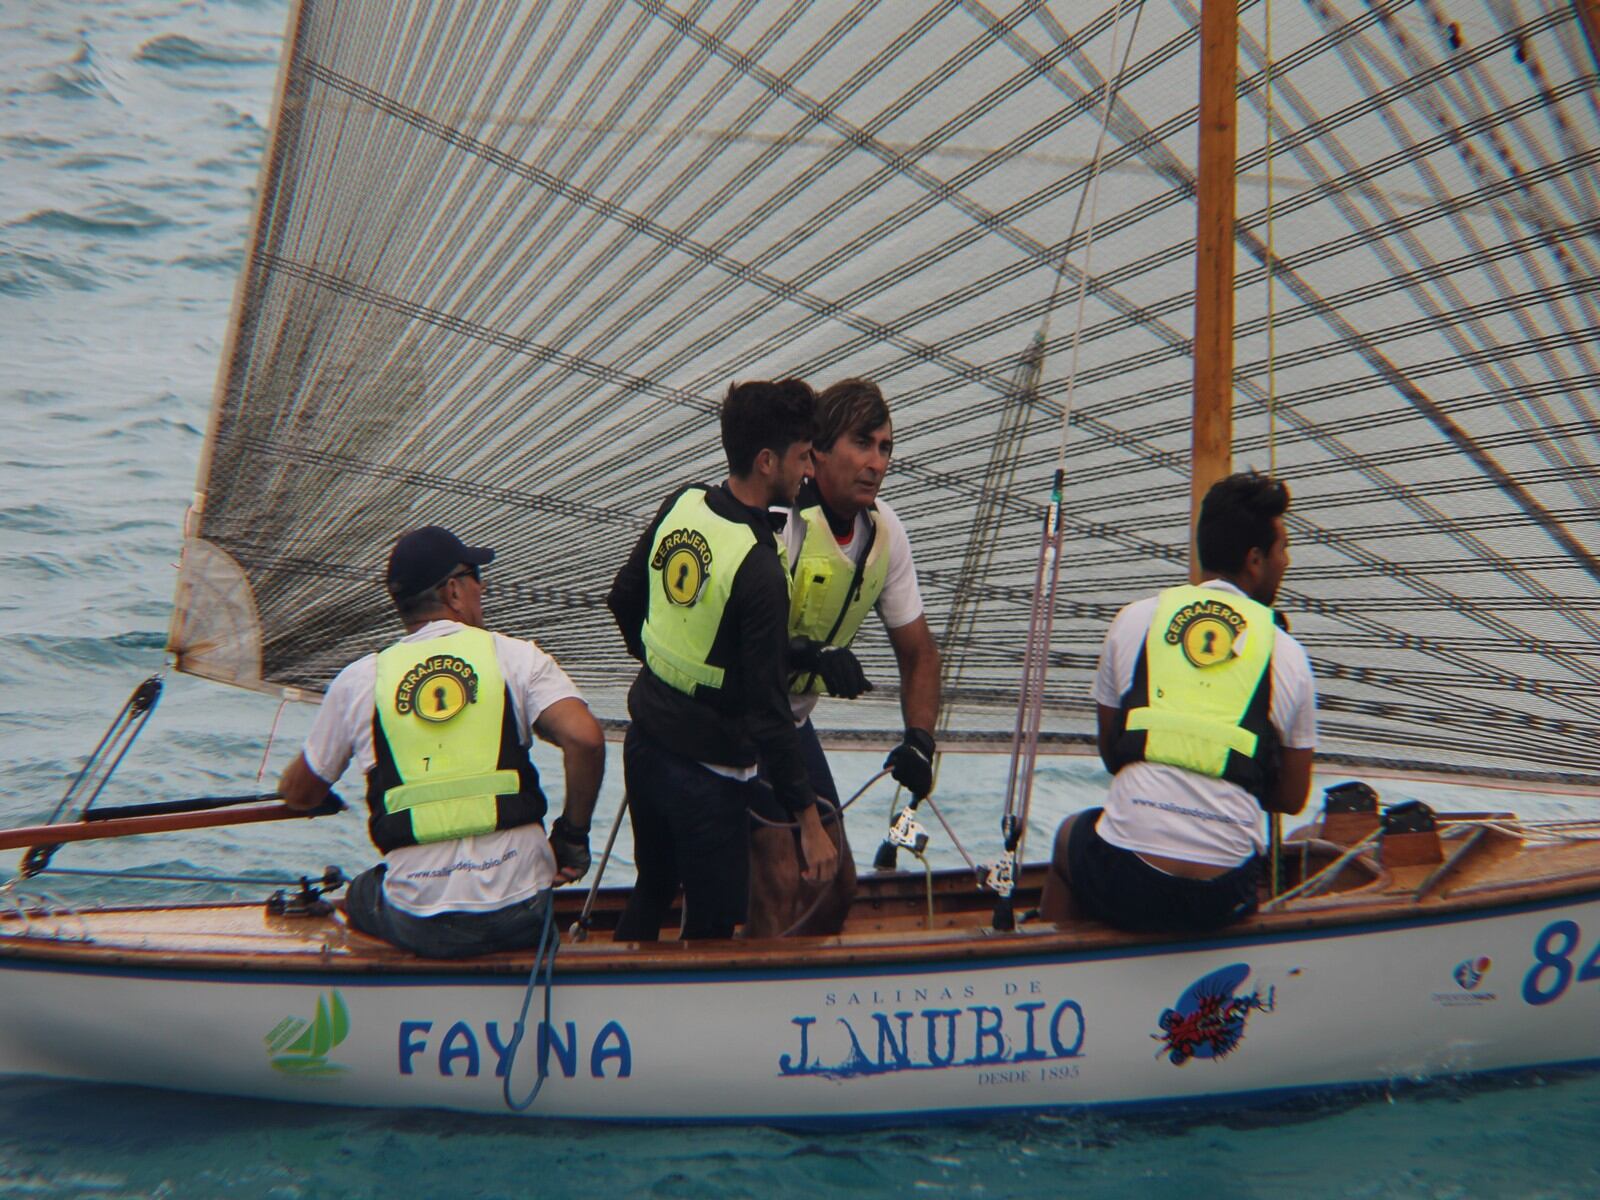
(1481, 866)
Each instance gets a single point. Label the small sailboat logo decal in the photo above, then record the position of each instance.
(300, 1047)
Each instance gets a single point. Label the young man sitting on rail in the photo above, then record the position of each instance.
(1207, 716)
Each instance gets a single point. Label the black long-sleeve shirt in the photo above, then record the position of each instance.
(749, 718)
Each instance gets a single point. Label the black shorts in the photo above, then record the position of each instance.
(1118, 887)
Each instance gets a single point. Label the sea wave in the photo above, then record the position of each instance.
(23, 273)
(118, 219)
(77, 79)
(33, 518)
(175, 50)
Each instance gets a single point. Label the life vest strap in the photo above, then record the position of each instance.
(462, 787)
(1163, 720)
(679, 670)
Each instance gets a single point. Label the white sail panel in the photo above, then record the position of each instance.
(511, 254)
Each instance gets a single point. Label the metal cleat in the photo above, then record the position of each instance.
(907, 831)
(1002, 876)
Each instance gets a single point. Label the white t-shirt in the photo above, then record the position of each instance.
(1153, 808)
(901, 601)
(472, 874)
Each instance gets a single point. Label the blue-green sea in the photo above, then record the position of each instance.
(130, 135)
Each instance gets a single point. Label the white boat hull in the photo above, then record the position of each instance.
(1444, 995)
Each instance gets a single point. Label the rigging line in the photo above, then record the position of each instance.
(1398, 282)
(1540, 80)
(266, 222)
(1091, 195)
(777, 286)
(535, 283)
(1272, 312)
(1508, 565)
(1438, 417)
(519, 271)
(1338, 187)
(1489, 94)
(689, 175)
(1333, 186)
(1508, 304)
(937, 189)
(1465, 229)
(1171, 168)
(272, 734)
(1469, 403)
(428, 170)
(347, 464)
(523, 345)
(1318, 352)
(1319, 125)
(1174, 336)
(1589, 19)
(463, 197)
(1467, 94)
(1407, 388)
(1052, 253)
(1362, 554)
(1576, 695)
(345, 239)
(589, 84)
(1473, 484)
(1031, 697)
(733, 189)
(1564, 743)
(1437, 269)
(866, 137)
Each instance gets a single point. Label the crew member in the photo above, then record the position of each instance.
(848, 554)
(441, 722)
(1207, 716)
(703, 602)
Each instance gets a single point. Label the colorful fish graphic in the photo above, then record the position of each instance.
(1208, 1020)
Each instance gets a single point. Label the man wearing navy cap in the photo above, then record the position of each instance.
(441, 722)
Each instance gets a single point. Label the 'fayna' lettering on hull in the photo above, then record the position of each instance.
(458, 1051)
(936, 1039)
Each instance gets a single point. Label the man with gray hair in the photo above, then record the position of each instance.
(440, 723)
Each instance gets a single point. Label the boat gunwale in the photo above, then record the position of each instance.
(791, 957)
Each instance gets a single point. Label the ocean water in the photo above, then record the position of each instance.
(129, 139)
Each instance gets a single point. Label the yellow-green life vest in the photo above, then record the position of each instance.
(691, 569)
(829, 595)
(1202, 689)
(449, 761)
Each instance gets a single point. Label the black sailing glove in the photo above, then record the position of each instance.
(330, 804)
(837, 667)
(911, 762)
(570, 846)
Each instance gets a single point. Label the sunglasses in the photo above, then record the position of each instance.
(465, 573)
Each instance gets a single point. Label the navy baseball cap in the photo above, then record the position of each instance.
(426, 557)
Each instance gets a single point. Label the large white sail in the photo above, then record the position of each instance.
(510, 254)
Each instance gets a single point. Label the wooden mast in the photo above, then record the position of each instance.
(1211, 448)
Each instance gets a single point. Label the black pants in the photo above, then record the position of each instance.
(690, 830)
(1118, 887)
(766, 805)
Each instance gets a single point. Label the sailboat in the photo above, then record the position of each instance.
(507, 254)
